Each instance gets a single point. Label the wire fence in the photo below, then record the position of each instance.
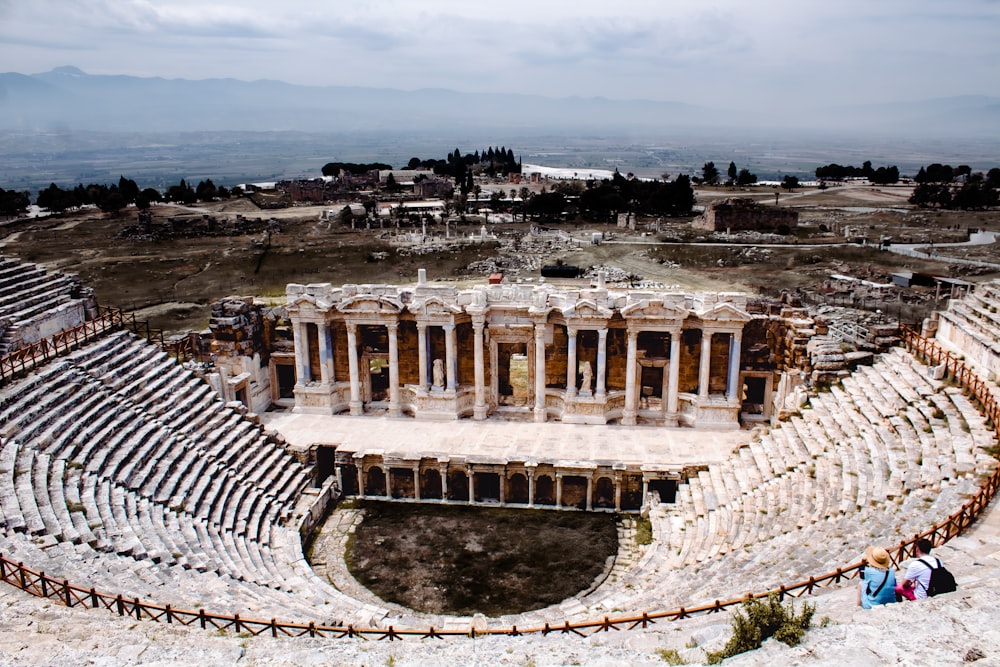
(39, 584)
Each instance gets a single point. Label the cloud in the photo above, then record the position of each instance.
(761, 54)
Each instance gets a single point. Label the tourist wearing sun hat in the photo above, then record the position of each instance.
(878, 580)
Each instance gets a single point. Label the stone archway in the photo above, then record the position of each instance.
(458, 486)
(375, 482)
(574, 492)
(430, 484)
(517, 489)
(604, 493)
(545, 493)
(401, 482)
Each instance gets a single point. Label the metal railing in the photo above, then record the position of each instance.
(37, 583)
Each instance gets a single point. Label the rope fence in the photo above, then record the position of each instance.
(59, 590)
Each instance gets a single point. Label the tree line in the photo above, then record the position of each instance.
(880, 176)
(942, 186)
(116, 196)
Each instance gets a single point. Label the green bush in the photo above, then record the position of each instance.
(760, 620)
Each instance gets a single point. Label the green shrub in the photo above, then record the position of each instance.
(759, 620)
(643, 530)
(670, 656)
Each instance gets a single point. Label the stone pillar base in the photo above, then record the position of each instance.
(395, 411)
(480, 412)
(357, 408)
(540, 415)
(628, 418)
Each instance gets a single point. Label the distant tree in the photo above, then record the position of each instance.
(128, 189)
(413, 163)
(391, 185)
(112, 202)
(885, 175)
(206, 190)
(745, 178)
(547, 205)
(12, 203)
(963, 170)
(182, 193)
(55, 199)
(144, 199)
(732, 172)
(709, 174)
(495, 198)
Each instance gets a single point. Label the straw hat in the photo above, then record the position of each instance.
(877, 557)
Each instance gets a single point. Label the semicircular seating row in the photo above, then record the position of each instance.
(29, 292)
(122, 470)
(883, 456)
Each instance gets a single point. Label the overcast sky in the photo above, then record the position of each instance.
(735, 54)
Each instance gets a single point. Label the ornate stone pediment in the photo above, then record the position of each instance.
(586, 309)
(724, 312)
(432, 306)
(370, 304)
(306, 303)
(654, 309)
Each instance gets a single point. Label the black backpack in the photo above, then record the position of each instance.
(942, 581)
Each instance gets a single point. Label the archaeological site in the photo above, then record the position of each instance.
(181, 483)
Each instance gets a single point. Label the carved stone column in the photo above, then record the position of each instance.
(571, 363)
(361, 480)
(618, 493)
(602, 361)
(416, 481)
(631, 395)
(705, 367)
(422, 354)
(531, 487)
(472, 485)
(303, 373)
(443, 471)
(559, 477)
(325, 354)
(590, 492)
(673, 380)
(451, 357)
(733, 390)
(394, 407)
(540, 373)
(479, 409)
(357, 408)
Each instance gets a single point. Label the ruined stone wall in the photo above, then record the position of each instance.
(557, 358)
(744, 213)
(690, 353)
(617, 349)
(409, 359)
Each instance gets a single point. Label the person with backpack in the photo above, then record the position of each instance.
(926, 576)
(878, 580)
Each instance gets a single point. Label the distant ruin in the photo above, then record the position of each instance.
(743, 213)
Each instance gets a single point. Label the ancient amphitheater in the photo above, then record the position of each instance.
(150, 518)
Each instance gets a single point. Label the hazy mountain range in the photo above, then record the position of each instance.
(67, 99)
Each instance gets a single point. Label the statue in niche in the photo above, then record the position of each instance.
(588, 378)
(438, 374)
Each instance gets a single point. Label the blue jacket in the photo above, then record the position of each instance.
(873, 591)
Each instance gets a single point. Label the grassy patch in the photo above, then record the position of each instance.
(758, 620)
(466, 560)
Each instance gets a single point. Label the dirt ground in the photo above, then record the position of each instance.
(469, 560)
(171, 282)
